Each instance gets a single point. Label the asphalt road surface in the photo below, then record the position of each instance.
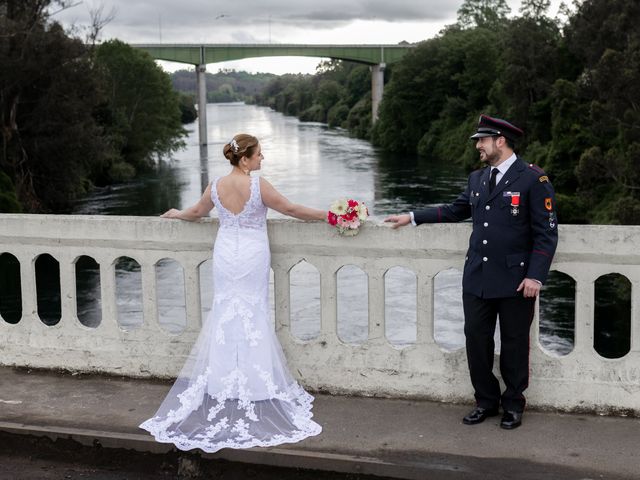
(30, 458)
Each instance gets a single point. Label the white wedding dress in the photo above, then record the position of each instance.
(235, 389)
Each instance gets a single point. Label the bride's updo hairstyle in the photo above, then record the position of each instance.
(241, 145)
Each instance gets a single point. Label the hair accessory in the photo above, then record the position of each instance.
(234, 145)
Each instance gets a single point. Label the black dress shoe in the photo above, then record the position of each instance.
(511, 420)
(479, 415)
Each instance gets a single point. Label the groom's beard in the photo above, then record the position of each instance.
(490, 159)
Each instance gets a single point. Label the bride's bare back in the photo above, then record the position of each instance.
(234, 192)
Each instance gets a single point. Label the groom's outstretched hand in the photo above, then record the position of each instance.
(398, 220)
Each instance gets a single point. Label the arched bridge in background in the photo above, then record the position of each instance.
(377, 56)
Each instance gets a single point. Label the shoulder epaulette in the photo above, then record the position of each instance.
(542, 177)
(536, 168)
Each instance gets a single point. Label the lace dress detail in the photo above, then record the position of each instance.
(235, 389)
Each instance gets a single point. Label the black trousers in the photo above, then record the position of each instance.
(516, 315)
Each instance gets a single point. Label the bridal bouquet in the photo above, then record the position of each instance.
(347, 215)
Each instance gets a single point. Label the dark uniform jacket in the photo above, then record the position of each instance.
(509, 242)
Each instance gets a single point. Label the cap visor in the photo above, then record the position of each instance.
(481, 135)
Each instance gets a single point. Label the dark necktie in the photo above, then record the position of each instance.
(492, 181)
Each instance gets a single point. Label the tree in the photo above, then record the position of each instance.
(604, 35)
(533, 58)
(188, 112)
(51, 143)
(483, 13)
(534, 9)
(334, 95)
(141, 113)
(68, 119)
(440, 85)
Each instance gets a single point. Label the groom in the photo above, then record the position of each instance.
(514, 238)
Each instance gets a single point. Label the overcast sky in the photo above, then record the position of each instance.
(275, 21)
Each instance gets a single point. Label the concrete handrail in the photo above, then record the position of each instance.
(581, 380)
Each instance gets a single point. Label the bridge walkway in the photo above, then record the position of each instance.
(412, 439)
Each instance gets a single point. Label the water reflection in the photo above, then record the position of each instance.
(150, 194)
(171, 296)
(557, 313)
(406, 182)
(88, 298)
(400, 301)
(48, 289)
(10, 293)
(129, 293)
(612, 335)
(304, 293)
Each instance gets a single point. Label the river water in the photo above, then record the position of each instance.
(314, 165)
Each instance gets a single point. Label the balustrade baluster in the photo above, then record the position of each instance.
(68, 291)
(585, 306)
(282, 292)
(28, 285)
(376, 305)
(193, 301)
(328, 303)
(109, 323)
(424, 304)
(149, 296)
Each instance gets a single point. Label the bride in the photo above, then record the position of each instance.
(235, 389)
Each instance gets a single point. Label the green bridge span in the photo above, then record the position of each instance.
(214, 53)
(377, 56)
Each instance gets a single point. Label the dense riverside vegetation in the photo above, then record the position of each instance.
(573, 85)
(339, 94)
(75, 114)
(225, 85)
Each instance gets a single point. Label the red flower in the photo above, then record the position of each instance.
(350, 215)
(352, 203)
(332, 218)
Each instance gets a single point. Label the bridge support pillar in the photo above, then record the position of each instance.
(377, 85)
(201, 83)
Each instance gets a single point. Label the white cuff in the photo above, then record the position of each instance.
(413, 219)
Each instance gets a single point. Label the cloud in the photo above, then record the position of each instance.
(197, 16)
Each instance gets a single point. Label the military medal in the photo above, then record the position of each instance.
(515, 203)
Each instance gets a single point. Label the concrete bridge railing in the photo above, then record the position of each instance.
(581, 380)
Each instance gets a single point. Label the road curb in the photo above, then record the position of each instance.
(275, 457)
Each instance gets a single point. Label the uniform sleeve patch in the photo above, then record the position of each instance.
(547, 203)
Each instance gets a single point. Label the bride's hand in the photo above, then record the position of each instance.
(173, 213)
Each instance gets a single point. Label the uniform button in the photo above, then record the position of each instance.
(484, 242)
(522, 264)
(486, 224)
(484, 259)
(487, 207)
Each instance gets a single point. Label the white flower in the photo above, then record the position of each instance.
(339, 207)
(363, 212)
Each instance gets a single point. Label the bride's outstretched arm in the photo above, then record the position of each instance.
(194, 212)
(275, 200)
